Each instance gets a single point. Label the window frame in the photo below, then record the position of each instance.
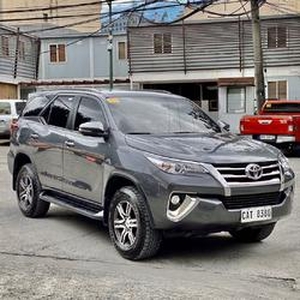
(55, 55)
(160, 45)
(244, 100)
(277, 89)
(275, 38)
(125, 51)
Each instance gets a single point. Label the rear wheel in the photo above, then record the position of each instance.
(253, 234)
(28, 189)
(130, 226)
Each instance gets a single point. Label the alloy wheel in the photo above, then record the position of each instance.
(125, 225)
(26, 192)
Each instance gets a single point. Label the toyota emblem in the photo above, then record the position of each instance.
(254, 171)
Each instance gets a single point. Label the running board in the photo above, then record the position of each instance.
(87, 209)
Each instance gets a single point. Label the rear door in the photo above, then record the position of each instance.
(84, 156)
(48, 136)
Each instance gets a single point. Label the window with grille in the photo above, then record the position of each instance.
(57, 53)
(122, 51)
(5, 45)
(277, 37)
(277, 90)
(162, 43)
(236, 100)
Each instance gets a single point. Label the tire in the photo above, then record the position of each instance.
(253, 234)
(28, 188)
(130, 226)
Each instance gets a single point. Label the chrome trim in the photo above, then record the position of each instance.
(184, 209)
(287, 184)
(218, 176)
(277, 172)
(255, 183)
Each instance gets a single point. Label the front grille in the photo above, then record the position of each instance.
(235, 174)
(246, 201)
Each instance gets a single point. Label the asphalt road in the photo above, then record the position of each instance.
(66, 256)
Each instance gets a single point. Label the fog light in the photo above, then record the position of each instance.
(175, 200)
(179, 206)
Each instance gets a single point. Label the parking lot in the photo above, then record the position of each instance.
(66, 256)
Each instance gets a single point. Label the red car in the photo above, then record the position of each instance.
(277, 123)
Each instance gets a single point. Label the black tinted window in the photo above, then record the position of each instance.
(282, 107)
(19, 107)
(35, 106)
(89, 110)
(58, 112)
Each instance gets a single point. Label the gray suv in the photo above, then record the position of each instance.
(146, 164)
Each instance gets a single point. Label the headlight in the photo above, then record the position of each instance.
(284, 162)
(172, 166)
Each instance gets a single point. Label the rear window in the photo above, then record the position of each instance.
(19, 107)
(5, 108)
(35, 106)
(282, 107)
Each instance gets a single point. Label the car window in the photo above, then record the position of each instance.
(291, 107)
(20, 106)
(58, 112)
(35, 106)
(5, 108)
(89, 110)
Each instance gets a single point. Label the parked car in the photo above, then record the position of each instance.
(9, 112)
(146, 164)
(277, 123)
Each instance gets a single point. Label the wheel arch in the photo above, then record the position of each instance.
(20, 160)
(115, 183)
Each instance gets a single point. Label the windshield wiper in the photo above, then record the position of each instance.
(137, 133)
(184, 132)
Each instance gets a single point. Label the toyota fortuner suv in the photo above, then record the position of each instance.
(146, 164)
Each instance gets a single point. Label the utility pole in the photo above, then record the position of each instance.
(258, 56)
(110, 45)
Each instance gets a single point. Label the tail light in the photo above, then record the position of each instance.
(14, 126)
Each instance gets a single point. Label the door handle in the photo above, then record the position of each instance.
(34, 136)
(69, 144)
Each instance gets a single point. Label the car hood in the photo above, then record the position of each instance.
(209, 148)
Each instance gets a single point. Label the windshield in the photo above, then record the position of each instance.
(159, 114)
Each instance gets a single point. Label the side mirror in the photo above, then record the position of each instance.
(93, 129)
(223, 125)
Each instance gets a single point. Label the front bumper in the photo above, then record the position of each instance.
(211, 215)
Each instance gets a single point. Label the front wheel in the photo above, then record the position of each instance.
(130, 227)
(28, 189)
(253, 234)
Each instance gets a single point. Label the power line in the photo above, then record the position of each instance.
(23, 10)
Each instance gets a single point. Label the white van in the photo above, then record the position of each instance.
(9, 111)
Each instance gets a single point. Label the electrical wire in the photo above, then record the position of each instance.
(36, 9)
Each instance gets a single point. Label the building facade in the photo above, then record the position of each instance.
(57, 12)
(211, 62)
(19, 57)
(70, 58)
(227, 8)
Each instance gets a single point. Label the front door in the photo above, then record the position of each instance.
(84, 156)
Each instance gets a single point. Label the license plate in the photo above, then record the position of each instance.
(267, 137)
(255, 214)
